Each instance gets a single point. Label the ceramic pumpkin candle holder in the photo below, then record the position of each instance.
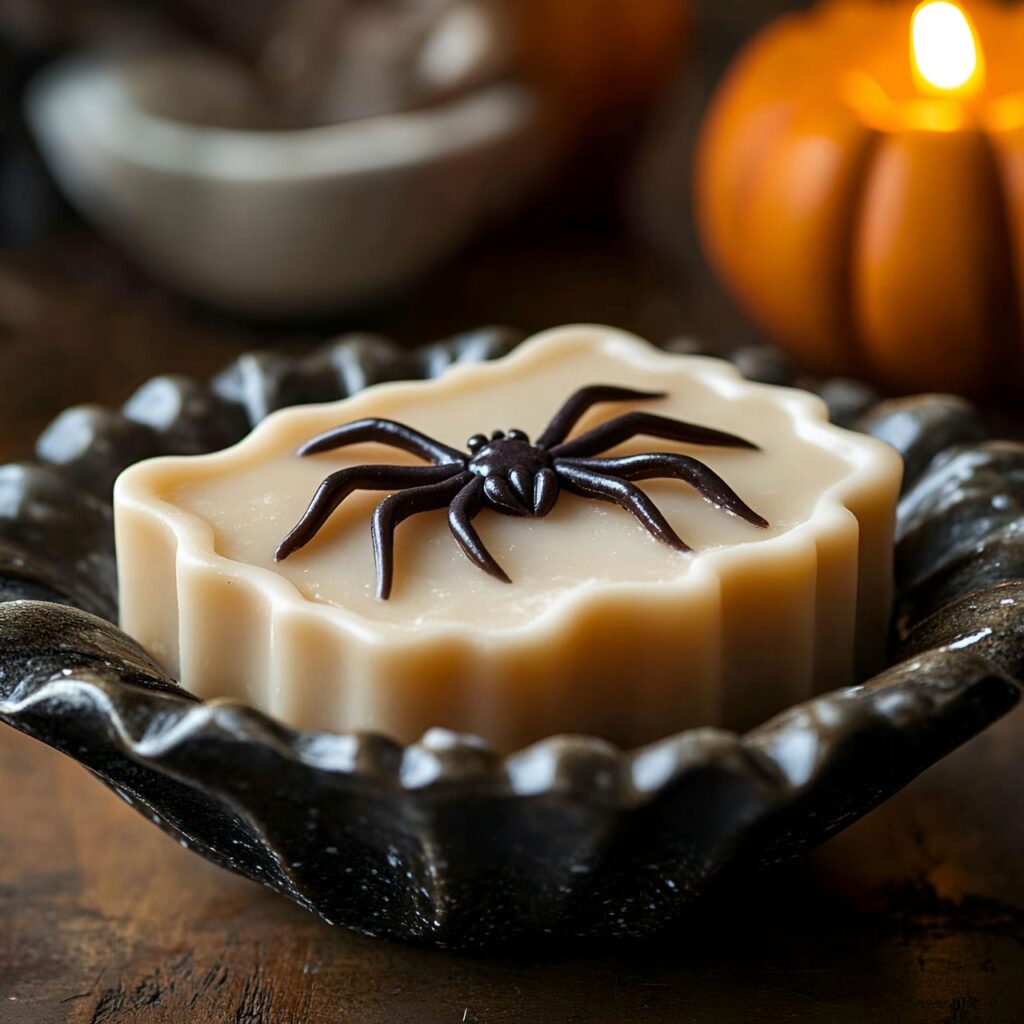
(860, 189)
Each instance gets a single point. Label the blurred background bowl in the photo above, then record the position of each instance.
(167, 153)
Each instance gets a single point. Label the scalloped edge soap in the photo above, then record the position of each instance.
(604, 631)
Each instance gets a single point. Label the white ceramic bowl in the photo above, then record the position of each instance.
(273, 222)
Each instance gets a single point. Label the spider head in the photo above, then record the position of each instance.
(480, 441)
(512, 469)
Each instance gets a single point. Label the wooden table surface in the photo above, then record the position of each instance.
(913, 916)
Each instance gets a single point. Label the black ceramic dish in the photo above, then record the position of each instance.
(444, 842)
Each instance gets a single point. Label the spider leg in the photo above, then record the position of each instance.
(466, 505)
(396, 435)
(680, 467)
(395, 509)
(630, 424)
(605, 488)
(501, 496)
(522, 486)
(577, 404)
(338, 486)
(545, 492)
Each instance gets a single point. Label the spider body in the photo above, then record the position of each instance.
(518, 477)
(515, 476)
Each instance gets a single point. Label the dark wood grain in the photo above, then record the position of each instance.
(914, 916)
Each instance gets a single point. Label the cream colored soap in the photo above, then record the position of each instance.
(603, 630)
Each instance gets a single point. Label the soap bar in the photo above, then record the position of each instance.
(597, 621)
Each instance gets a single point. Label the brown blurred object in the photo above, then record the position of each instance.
(600, 59)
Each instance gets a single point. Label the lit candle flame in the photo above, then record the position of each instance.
(944, 48)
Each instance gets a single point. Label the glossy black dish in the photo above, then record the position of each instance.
(444, 842)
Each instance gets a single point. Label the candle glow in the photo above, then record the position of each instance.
(876, 224)
(944, 49)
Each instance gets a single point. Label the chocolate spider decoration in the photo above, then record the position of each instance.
(515, 477)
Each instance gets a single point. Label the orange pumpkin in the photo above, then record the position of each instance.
(869, 228)
(600, 57)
